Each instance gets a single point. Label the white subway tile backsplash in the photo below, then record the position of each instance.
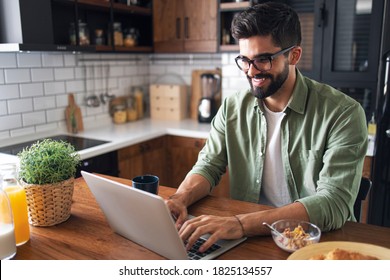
(33, 118)
(28, 90)
(52, 60)
(10, 122)
(29, 60)
(4, 135)
(70, 59)
(46, 127)
(63, 74)
(2, 76)
(13, 76)
(42, 103)
(74, 86)
(38, 103)
(3, 108)
(55, 115)
(20, 105)
(61, 100)
(54, 88)
(42, 74)
(9, 92)
(8, 60)
(22, 131)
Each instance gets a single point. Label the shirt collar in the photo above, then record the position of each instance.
(298, 99)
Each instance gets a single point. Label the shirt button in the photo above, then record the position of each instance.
(258, 181)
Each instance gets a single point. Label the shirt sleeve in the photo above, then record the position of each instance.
(340, 176)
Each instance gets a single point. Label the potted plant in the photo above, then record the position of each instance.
(47, 170)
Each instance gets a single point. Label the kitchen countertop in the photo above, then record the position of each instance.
(121, 135)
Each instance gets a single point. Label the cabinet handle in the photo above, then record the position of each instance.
(178, 28)
(186, 30)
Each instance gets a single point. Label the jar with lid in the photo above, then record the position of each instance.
(18, 200)
(83, 33)
(7, 233)
(131, 37)
(118, 34)
(99, 37)
(120, 114)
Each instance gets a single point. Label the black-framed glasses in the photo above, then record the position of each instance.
(261, 63)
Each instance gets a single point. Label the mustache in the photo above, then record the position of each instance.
(259, 76)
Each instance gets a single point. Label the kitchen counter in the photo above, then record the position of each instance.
(122, 135)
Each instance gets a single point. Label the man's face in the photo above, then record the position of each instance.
(264, 83)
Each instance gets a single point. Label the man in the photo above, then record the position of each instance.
(289, 142)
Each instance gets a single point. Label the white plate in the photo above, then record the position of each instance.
(307, 252)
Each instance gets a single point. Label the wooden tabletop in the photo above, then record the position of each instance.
(87, 235)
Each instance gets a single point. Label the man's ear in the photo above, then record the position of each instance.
(295, 55)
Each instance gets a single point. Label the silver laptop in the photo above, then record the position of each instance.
(145, 219)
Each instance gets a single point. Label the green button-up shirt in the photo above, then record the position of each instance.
(323, 145)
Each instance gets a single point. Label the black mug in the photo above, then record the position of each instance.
(148, 183)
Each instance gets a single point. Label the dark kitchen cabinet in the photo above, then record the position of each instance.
(185, 26)
(168, 157)
(182, 154)
(73, 25)
(144, 158)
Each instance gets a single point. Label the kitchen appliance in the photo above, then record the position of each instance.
(211, 84)
(104, 164)
(379, 206)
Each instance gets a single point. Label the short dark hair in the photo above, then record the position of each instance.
(271, 18)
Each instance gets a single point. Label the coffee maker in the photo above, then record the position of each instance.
(207, 105)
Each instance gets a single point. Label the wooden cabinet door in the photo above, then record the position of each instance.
(200, 25)
(144, 158)
(168, 26)
(185, 26)
(182, 153)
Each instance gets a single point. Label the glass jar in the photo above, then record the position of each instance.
(99, 37)
(131, 109)
(7, 232)
(83, 33)
(120, 114)
(18, 200)
(118, 34)
(131, 37)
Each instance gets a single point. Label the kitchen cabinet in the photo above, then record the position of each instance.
(148, 157)
(182, 154)
(185, 26)
(73, 25)
(168, 157)
(227, 10)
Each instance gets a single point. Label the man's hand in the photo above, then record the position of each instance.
(217, 227)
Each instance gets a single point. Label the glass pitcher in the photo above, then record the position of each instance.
(7, 233)
(18, 200)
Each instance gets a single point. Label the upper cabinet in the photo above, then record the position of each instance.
(76, 25)
(185, 26)
(228, 9)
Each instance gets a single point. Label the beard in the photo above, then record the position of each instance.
(276, 83)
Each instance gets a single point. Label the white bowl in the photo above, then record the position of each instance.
(293, 241)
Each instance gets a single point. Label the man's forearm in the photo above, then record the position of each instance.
(193, 188)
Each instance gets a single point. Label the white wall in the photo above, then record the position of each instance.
(34, 86)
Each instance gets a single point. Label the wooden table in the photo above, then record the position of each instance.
(86, 234)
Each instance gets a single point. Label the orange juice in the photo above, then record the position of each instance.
(17, 197)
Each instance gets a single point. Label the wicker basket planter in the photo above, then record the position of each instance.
(49, 204)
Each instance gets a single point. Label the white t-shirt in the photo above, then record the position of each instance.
(274, 190)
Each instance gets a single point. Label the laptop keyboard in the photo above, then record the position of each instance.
(194, 254)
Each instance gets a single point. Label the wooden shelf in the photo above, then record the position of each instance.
(234, 6)
(229, 48)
